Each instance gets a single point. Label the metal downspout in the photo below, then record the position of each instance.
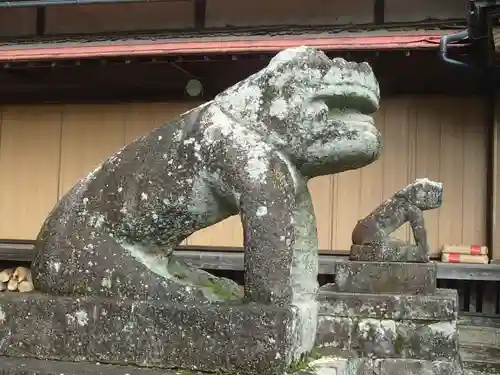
(443, 47)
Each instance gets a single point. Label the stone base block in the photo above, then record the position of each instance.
(417, 367)
(428, 340)
(390, 366)
(442, 305)
(244, 339)
(327, 366)
(324, 366)
(27, 366)
(400, 252)
(384, 277)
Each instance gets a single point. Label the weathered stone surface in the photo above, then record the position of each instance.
(250, 151)
(335, 333)
(323, 366)
(328, 366)
(242, 339)
(442, 305)
(384, 277)
(407, 205)
(27, 366)
(386, 366)
(388, 338)
(395, 252)
(417, 367)
(246, 152)
(427, 341)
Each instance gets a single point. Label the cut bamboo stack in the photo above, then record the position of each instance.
(16, 279)
(477, 254)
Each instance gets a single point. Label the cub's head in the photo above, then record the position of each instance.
(423, 193)
(316, 110)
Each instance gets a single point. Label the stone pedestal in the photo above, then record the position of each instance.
(391, 317)
(243, 339)
(385, 277)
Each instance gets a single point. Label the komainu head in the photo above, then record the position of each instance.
(316, 110)
(423, 193)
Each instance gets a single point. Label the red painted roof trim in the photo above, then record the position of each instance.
(186, 46)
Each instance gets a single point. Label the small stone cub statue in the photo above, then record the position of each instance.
(407, 205)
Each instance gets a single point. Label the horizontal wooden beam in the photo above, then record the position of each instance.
(233, 261)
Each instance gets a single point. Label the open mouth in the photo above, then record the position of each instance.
(350, 96)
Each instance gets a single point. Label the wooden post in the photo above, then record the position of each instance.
(495, 182)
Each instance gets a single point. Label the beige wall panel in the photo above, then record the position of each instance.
(230, 232)
(227, 233)
(321, 189)
(451, 171)
(142, 118)
(371, 185)
(346, 205)
(395, 153)
(90, 134)
(439, 138)
(358, 192)
(29, 163)
(411, 11)
(426, 115)
(120, 17)
(222, 13)
(17, 21)
(472, 115)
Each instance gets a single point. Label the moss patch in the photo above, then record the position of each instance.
(221, 290)
(303, 362)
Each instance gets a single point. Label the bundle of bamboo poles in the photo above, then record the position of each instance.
(477, 254)
(16, 279)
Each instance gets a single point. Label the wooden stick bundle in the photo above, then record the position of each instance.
(16, 279)
(464, 258)
(465, 249)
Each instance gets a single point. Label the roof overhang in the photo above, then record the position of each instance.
(362, 41)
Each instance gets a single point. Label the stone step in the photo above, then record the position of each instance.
(385, 277)
(324, 366)
(417, 367)
(389, 366)
(442, 305)
(426, 340)
(243, 339)
(28, 366)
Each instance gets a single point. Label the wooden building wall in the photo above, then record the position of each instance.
(45, 149)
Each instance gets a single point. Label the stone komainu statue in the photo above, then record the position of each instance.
(406, 206)
(250, 152)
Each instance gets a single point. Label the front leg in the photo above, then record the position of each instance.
(416, 219)
(281, 248)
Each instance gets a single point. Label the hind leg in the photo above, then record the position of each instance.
(103, 267)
